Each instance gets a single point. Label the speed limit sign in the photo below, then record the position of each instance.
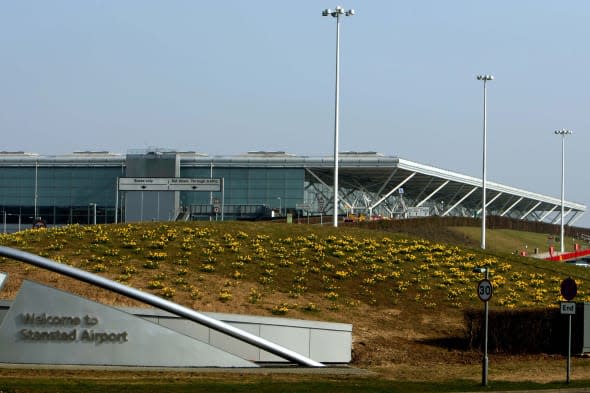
(484, 290)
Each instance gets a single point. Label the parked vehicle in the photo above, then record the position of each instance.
(583, 262)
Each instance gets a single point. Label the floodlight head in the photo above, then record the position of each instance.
(480, 269)
(563, 131)
(337, 12)
(485, 78)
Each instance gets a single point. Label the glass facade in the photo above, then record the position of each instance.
(66, 191)
(247, 190)
(57, 193)
(71, 188)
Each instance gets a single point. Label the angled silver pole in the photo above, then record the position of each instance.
(158, 302)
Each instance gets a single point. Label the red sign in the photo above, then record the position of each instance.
(569, 289)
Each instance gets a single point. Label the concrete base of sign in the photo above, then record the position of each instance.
(325, 342)
(47, 326)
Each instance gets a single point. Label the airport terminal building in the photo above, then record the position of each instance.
(142, 185)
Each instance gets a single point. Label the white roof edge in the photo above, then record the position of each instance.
(448, 175)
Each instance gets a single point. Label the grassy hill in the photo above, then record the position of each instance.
(402, 294)
(514, 241)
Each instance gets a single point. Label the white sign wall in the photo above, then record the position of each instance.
(48, 326)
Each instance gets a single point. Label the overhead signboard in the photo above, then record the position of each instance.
(169, 184)
(143, 184)
(194, 184)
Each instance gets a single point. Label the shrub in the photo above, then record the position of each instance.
(151, 265)
(99, 267)
(281, 309)
(167, 292)
(155, 284)
(519, 331)
(225, 295)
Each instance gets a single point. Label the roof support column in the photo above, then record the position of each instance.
(394, 189)
(386, 182)
(531, 210)
(491, 201)
(544, 216)
(511, 206)
(460, 200)
(432, 194)
(574, 218)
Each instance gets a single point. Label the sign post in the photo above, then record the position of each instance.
(216, 207)
(485, 292)
(569, 289)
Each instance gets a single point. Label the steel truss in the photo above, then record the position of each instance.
(376, 186)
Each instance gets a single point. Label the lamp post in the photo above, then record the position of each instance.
(337, 13)
(11, 214)
(36, 195)
(280, 207)
(485, 79)
(563, 133)
(93, 212)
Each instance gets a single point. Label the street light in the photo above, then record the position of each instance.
(485, 79)
(337, 13)
(11, 214)
(280, 207)
(93, 212)
(563, 133)
(36, 195)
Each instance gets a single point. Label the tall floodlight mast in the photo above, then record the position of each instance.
(563, 133)
(485, 79)
(337, 13)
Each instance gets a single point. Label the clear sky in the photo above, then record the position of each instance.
(228, 77)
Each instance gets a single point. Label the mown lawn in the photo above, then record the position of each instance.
(264, 384)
